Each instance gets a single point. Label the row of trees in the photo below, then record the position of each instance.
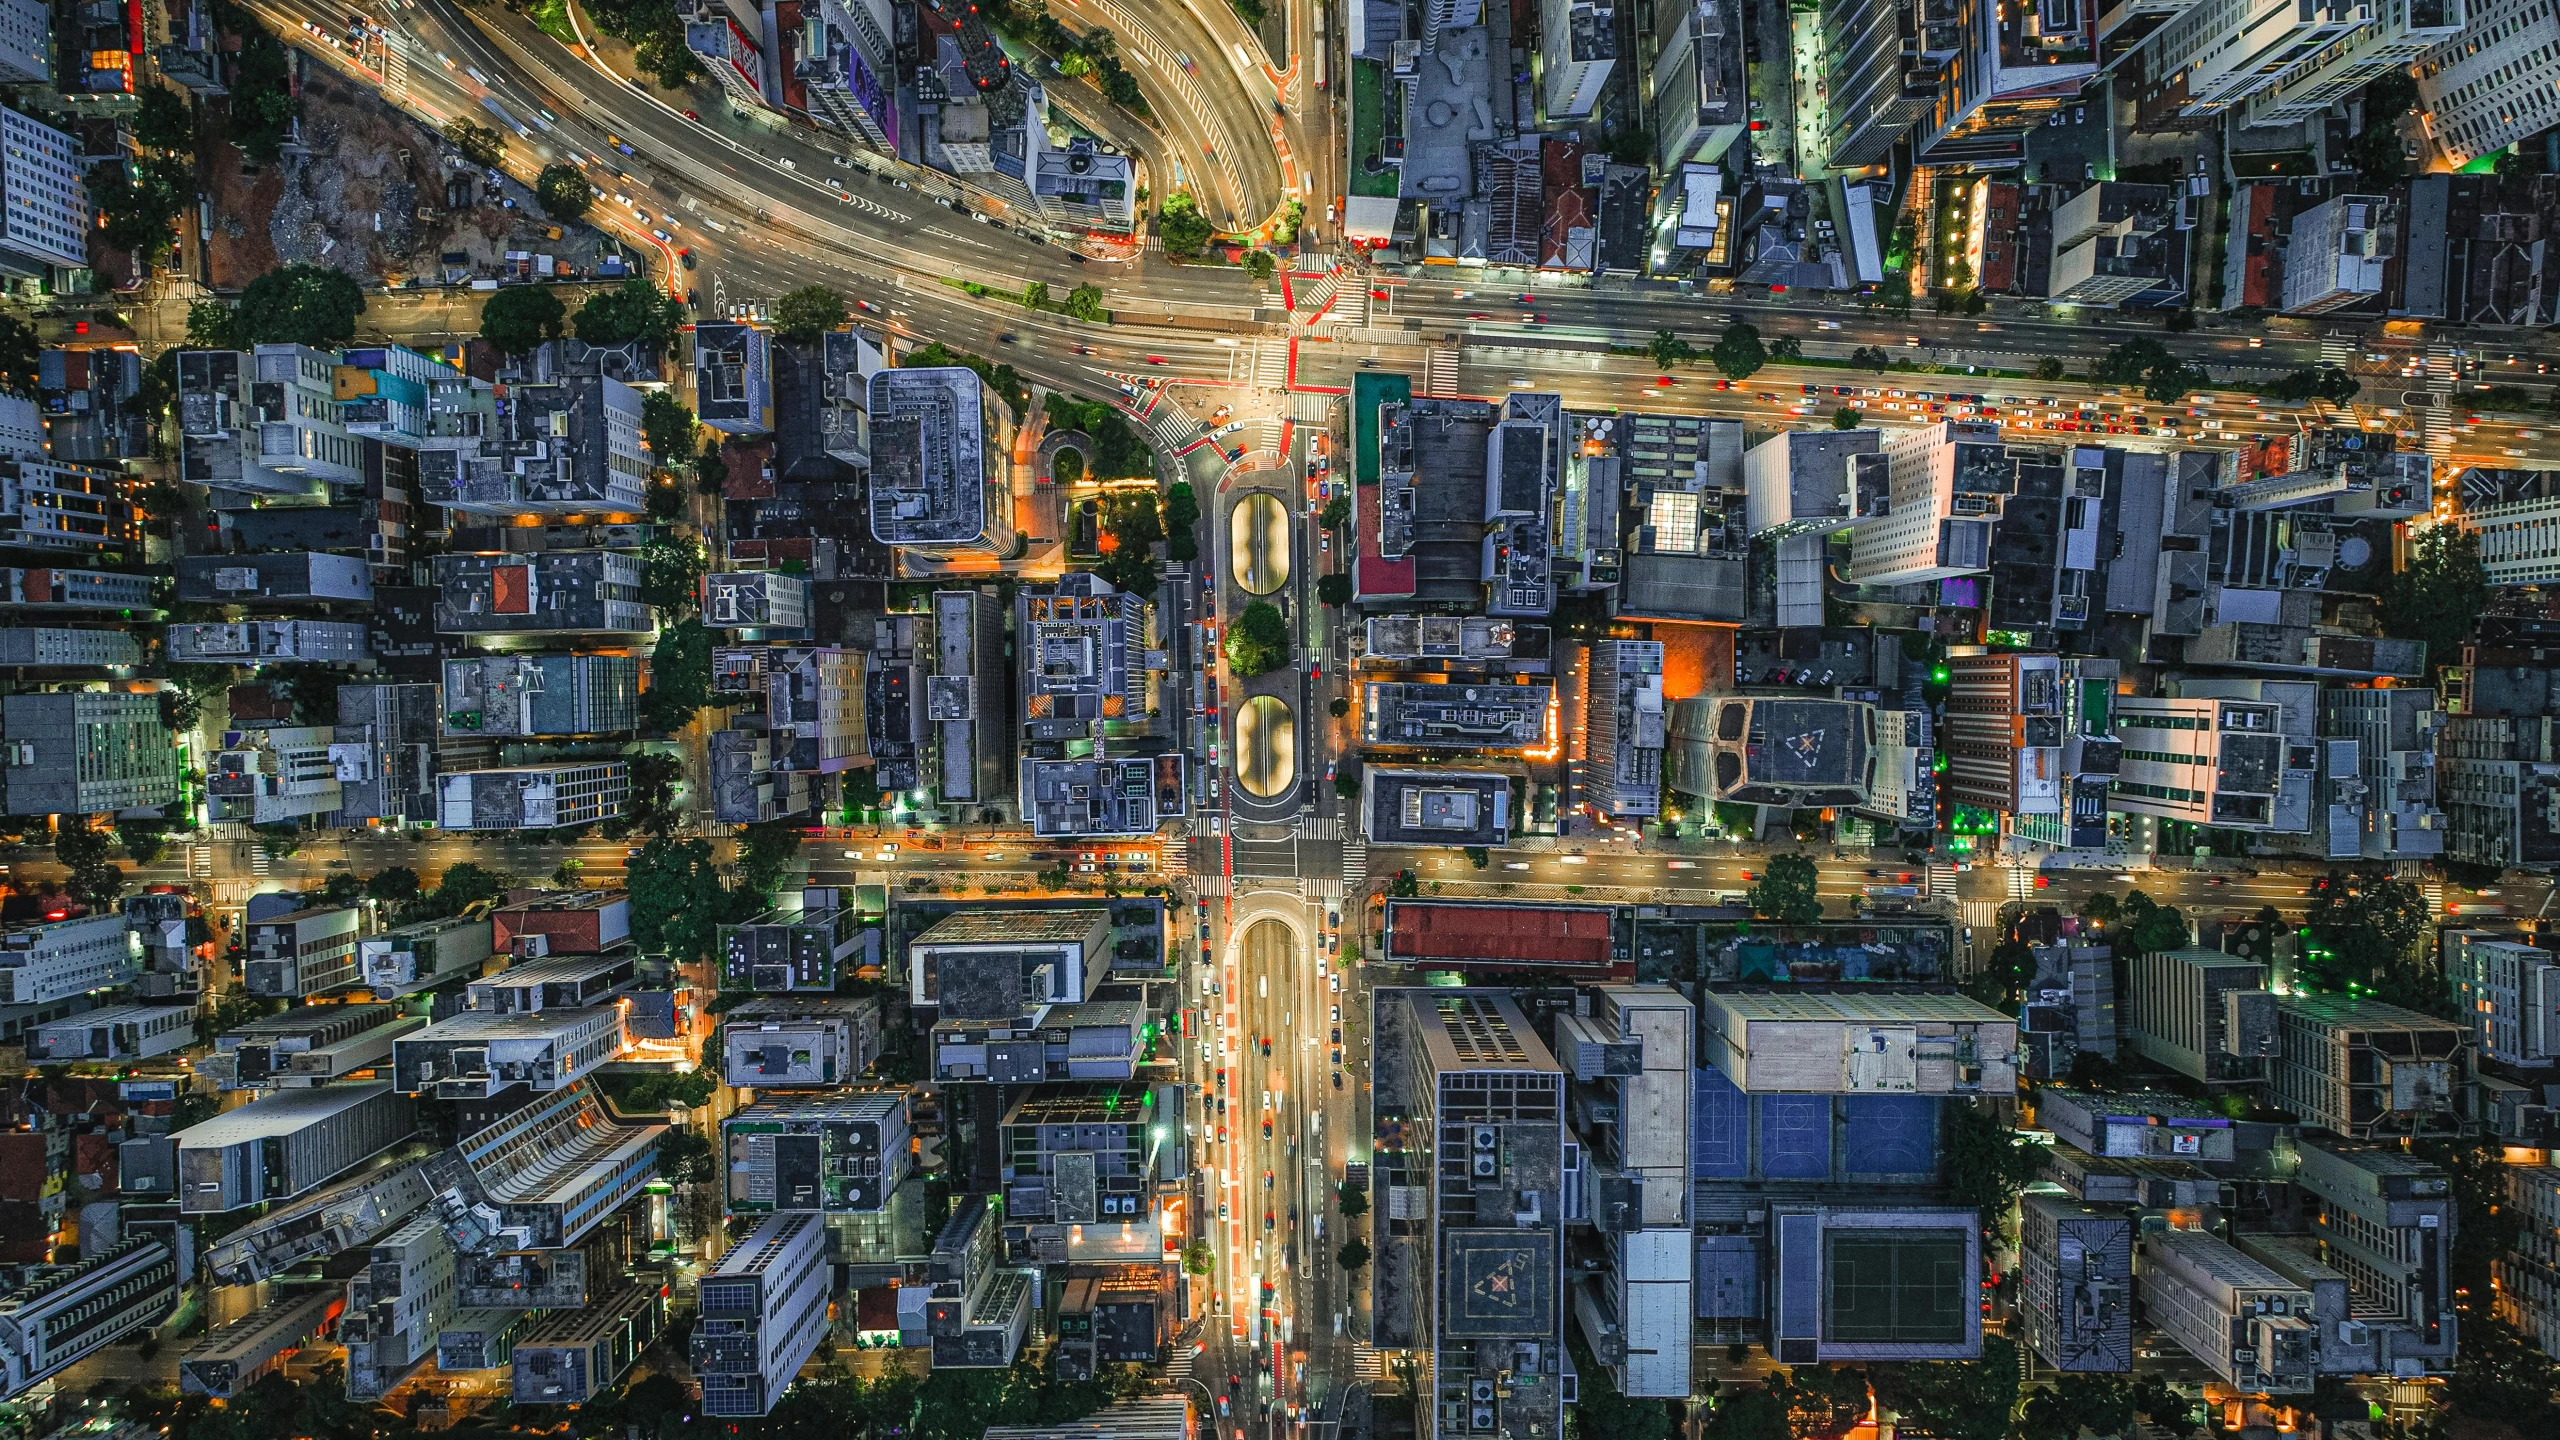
(1738, 352)
(521, 319)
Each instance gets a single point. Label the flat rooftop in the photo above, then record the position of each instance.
(928, 456)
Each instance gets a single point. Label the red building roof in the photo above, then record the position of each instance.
(1571, 937)
(1999, 240)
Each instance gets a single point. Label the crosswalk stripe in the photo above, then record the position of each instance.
(1439, 372)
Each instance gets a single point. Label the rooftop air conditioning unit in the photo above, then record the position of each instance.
(1483, 1392)
(1486, 1165)
(1482, 1418)
(1486, 1136)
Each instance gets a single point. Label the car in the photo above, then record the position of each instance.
(1328, 770)
(686, 255)
(1266, 1127)
(868, 306)
(1337, 1079)
(1222, 1400)
(1158, 360)
(1270, 1221)
(1336, 982)
(1266, 1049)
(689, 115)
(1337, 1014)
(1222, 1209)
(1337, 1033)
(1222, 1134)
(1006, 337)
(1267, 1180)
(1664, 380)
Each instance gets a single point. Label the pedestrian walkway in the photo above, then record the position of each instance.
(257, 859)
(1175, 430)
(1440, 372)
(1271, 364)
(2022, 883)
(1982, 915)
(1355, 866)
(1366, 1363)
(1942, 878)
(2336, 350)
(1322, 827)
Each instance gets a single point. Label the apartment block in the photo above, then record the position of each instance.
(552, 592)
(267, 642)
(514, 696)
(79, 511)
(838, 1154)
(275, 776)
(2202, 760)
(746, 788)
(965, 699)
(1625, 728)
(2339, 252)
(533, 797)
(385, 750)
(397, 1306)
(230, 1358)
(45, 963)
(478, 1053)
(2362, 1069)
(56, 648)
(2479, 92)
(941, 456)
(1628, 1103)
(85, 753)
(2076, 1280)
(2249, 1325)
(2516, 516)
(756, 600)
(55, 588)
(565, 446)
(2386, 1218)
(306, 1046)
(266, 422)
(44, 202)
(546, 1173)
(285, 1144)
(569, 982)
(763, 1312)
(1102, 799)
(2004, 732)
(575, 1356)
(1083, 648)
(2509, 991)
(2118, 244)
(992, 964)
(115, 1032)
(305, 952)
(813, 710)
(787, 1042)
(2204, 1014)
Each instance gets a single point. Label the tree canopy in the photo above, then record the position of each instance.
(2438, 599)
(808, 312)
(1956, 1400)
(563, 191)
(672, 567)
(20, 359)
(1333, 589)
(677, 900)
(667, 428)
(520, 319)
(1180, 225)
(479, 144)
(2324, 382)
(1257, 640)
(2148, 363)
(298, 304)
(2364, 925)
(634, 310)
(1738, 352)
(1784, 892)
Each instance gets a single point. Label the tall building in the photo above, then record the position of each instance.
(264, 422)
(422, 956)
(1632, 1062)
(2363, 1069)
(1579, 47)
(1083, 657)
(2204, 1014)
(1947, 481)
(287, 1143)
(2510, 991)
(732, 59)
(86, 752)
(44, 203)
(385, 749)
(51, 648)
(1469, 1104)
(763, 1312)
(2244, 1322)
(941, 455)
(849, 64)
(1695, 75)
(553, 592)
(793, 1042)
(575, 1356)
(2340, 252)
(62, 1314)
(275, 776)
(2200, 759)
(1085, 186)
(2397, 34)
(1761, 750)
(2011, 66)
(1881, 61)
(44, 963)
(2394, 731)
(2516, 516)
(1815, 482)
(733, 378)
(2387, 1219)
(2076, 1283)
(835, 1154)
(965, 699)
(303, 952)
(2118, 244)
(2498, 778)
(2528, 1274)
(1625, 735)
(2481, 91)
(397, 1306)
(2224, 53)
(2004, 732)
(26, 44)
(79, 510)
(814, 710)
(533, 797)
(478, 1053)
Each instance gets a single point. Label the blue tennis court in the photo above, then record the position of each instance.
(1719, 1127)
(1795, 1137)
(1892, 1134)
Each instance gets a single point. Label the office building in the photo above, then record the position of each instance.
(839, 1154)
(1579, 47)
(481, 1339)
(533, 797)
(2387, 1219)
(264, 423)
(1624, 731)
(733, 380)
(2339, 252)
(2009, 69)
(2498, 778)
(2249, 1325)
(1085, 186)
(1632, 1063)
(2509, 991)
(92, 406)
(1903, 787)
(570, 982)
(47, 647)
(515, 696)
(2146, 1124)
(397, 1306)
(756, 600)
(1083, 647)
(813, 710)
(564, 922)
(568, 445)
(307, 577)
(478, 1053)
(1946, 483)
(849, 67)
(1751, 750)
(385, 749)
(1451, 808)
(2394, 731)
(304, 952)
(808, 948)
(86, 753)
(45, 963)
(1101, 799)
(2481, 91)
(941, 452)
(2363, 1069)
(965, 699)
(423, 956)
(1469, 1104)
(116, 1032)
(306, 1046)
(2528, 1274)
(284, 1144)
(1694, 71)
(55, 588)
(44, 203)
(2204, 1014)
(276, 776)
(988, 964)
(1082, 1165)
(77, 510)
(2224, 53)
(1803, 1043)
(575, 1356)
(1115, 1315)
(2516, 515)
(267, 642)
(26, 47)
(796, 1042)
(1397, 714)
(2004, 732)
(544, 1174)
(1815, 482)
(339, 1217)
(2396, 35)
(2201, 759)
(1881, 68)
(62, 1314)
(763, 1312)
(551, 592)
(2076, 1279)
(2118, 244)
(233, 1357)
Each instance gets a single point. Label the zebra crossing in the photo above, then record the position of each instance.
(1177, 861)
(1320, 888)
(1355, 866)
(257, 859)
(1351, 308)
(2336, 350)
(1367, 1363)
(1178, 1368)
(1211, 885)
(1942, 878)
(1982, 916)
(1173, 429)
(1440, 372)
(1322, 827)
(1270, 365)
(2436, 424)
(200, 861)
(2022, 883)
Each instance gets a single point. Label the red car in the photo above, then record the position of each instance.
(689, 115)
(1158, 360)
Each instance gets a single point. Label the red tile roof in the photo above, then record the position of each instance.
(1425, 933)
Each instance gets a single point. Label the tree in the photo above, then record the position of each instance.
(685, 1157)
(87, 853)
(679, 676)
(142, 841)
(563, 191)
(1337, 707)
(633, 311)
(1261, 266)
(261, 107)
(1784, 892)
(2100, 906)
(1181, 523)
(2375, 149)
(163, 119)
(2499, 1376)
(1180, 225)
(665, 57)
(1085, 303)
(520, 319)
(479, 144)
(2102, 1403)
(2148, 363)
(1353, 1255)
(677, 900)
(1336, 515)
(1344, 785)
(1258, 640)
(20, 373)
(2440, 596)
(1478, 856)
(298, 304)
(1871, 357)
(1743, 1413)
(671, 573)
(1403, 886)
(1956, 1400)
(2324, 382)
(396, 885)
(1986, 1167)
(650, 808)
(1669, 350)
(2362, 923)
(2002, 979)
(1035, 295)
(1844, 418)
(1739, 353)
(1132, 522)
(465, 885)
(1333, 589)
(1198, 1259)
(2050, 368)
(2159, 1401)
(808, 312)
(766, 853)
(1786, 347)
(140, 200)
(667, 427)
(1353, 1202)
(1894, 295)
